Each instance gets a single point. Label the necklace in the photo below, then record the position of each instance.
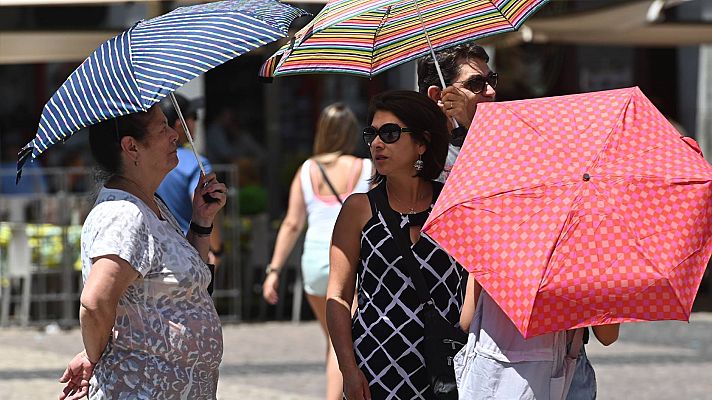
(411, 210)
(147, 197)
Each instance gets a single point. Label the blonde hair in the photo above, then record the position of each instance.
(336, 130)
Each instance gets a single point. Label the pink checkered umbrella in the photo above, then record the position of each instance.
(579, 210)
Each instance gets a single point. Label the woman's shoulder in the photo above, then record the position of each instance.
(357, 209)
(115, 203)
(357, 201)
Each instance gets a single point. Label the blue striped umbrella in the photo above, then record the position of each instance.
(136, 69)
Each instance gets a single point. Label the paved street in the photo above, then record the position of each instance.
(662, 360)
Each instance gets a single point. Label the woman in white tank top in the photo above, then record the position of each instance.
(315, 196)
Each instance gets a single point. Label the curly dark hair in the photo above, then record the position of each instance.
(424, 118)
(450, 60)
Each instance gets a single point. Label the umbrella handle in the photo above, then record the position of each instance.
(432, 53)
(208, 199)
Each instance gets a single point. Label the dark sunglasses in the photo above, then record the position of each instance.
(389, 133)
(476, 84)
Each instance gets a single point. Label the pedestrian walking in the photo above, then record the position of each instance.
(318, 190)
(149, 327)
(381, 353)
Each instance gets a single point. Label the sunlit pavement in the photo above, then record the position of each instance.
(662, 360)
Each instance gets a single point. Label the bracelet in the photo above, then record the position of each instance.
(201, 230)
(271, 269)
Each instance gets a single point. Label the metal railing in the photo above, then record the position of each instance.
(40, 269)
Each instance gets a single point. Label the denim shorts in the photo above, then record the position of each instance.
(583, 385)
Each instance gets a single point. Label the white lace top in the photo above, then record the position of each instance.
(167, 340)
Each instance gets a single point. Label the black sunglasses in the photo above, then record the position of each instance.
(389, 133)
(476, 84)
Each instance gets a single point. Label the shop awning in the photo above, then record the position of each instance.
(45, 47)
(627, 24)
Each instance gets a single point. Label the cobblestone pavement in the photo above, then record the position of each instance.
(662, 360)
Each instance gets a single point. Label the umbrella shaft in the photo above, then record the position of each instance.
(187, 132)
(432, 53)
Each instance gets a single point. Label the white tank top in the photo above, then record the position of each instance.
(499, 339)
(322, 210)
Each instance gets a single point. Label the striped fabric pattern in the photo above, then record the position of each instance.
(136, 69)
(368, 37)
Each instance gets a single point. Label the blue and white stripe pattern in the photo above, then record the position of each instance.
(136, 69)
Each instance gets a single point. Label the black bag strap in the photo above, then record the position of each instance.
(328, 182)
(379, 196)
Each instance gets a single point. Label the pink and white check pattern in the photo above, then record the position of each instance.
(579, 210)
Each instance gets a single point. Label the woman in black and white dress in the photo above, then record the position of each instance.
(380, 350)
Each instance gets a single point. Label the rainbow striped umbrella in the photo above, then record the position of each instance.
(368, 37)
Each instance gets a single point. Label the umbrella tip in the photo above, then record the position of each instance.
(22, 158)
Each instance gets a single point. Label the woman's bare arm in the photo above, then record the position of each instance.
(289, 232)
(472, 294)
(343, 259)
(108, 279)
(606, 334)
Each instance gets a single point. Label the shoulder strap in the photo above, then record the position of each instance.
(402, 242)
(576, 342)
(372, 200)
(437, 189)
(328, 182)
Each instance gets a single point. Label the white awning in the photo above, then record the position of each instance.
(624, 24)
(45, 47)
(627, 24)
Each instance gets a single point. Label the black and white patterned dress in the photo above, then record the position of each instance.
(387, 330)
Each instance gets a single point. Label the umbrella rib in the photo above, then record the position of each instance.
(533, 128)
(632, 156)
(375, 34)
(609, 136)
(678, 266)
(563, 234)
(496, 7)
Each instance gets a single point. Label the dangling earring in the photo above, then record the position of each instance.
(136, 163)
(419, 164)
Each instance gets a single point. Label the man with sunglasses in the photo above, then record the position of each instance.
(464, 68)
(470, 81)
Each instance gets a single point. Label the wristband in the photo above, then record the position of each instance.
(271, 269)
(201, 230)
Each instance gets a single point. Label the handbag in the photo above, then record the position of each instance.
(442, 340)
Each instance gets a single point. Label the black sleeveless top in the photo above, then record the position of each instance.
(387, 330)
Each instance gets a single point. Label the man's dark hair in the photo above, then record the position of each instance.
(427, 123)
(450, 60)
(170, 111)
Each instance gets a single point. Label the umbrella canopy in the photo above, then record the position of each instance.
(579, 210)
(136, 69)
(368, 37)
